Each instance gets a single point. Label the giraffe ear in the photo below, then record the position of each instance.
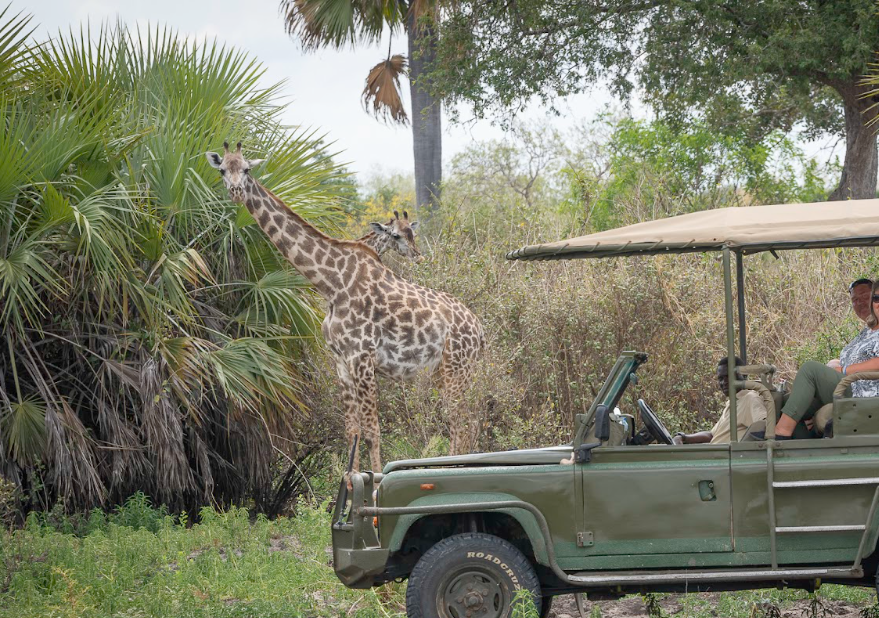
(214, 159)
(413, 225)
(254, 163)
(378, 228)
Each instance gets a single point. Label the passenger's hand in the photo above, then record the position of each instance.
(677, 439)
(834, 364)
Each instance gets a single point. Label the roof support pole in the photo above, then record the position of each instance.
(740, 294)
(730, 345)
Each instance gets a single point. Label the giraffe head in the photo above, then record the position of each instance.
(235, 170)
(398, 235)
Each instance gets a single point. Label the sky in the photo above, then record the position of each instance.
(323, 89)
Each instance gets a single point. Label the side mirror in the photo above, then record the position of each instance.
(602, 423)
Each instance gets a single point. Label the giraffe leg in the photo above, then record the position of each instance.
(456, 379)
(366, 389)
(349, 403)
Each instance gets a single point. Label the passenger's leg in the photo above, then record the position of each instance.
(813, 387)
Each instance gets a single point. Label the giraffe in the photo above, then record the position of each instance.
(376, 323)
(398, 234)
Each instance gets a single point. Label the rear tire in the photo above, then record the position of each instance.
(471, 575)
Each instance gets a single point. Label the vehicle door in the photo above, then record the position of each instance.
(639, 502)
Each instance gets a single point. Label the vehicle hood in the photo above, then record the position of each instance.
(548, 455)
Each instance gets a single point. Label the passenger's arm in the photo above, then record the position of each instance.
(868, 365)
(702, 437)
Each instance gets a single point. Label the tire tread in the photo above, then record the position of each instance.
(516, 561)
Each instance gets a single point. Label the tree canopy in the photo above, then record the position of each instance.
(748, 68)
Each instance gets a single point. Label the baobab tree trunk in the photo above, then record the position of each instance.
(858, 178)
(426, 119)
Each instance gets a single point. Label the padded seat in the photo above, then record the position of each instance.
(822, 417)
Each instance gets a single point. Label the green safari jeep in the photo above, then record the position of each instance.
(621, 509)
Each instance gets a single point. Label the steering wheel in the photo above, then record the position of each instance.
(653, 424)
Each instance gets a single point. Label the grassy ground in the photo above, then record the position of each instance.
(141, 562)
(226, 566)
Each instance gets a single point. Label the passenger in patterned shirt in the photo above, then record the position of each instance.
(814, 385)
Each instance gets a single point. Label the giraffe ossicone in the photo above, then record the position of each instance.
(376, 323)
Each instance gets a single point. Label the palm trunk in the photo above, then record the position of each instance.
(858, 179)
(426, 120)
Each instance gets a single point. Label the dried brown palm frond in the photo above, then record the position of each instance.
(123, 455)
(382, 92)
(162, 427)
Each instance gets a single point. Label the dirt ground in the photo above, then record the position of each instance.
(630, 607)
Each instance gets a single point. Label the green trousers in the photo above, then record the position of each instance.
(813, 387)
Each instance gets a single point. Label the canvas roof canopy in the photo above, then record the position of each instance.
(747, 229)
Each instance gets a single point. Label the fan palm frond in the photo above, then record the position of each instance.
(23, 426)
(14, 32)
(25, 275)
(249, 371)
(273, 306)
(336, 23)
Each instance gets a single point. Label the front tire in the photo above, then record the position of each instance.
(547, 606)
(471, 575)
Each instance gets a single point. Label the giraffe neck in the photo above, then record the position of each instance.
(374, 242)
(315, 255)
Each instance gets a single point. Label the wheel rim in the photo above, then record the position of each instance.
(472, 593)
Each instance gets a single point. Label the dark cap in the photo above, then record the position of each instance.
(858, 282)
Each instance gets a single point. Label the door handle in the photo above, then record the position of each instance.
(706, 491)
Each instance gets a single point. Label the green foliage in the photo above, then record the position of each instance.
(652, 606)
(817, 608)
(765, 609)
(744, 67)
(675, 171)
(139, 561)
(523, 605)
(746, 70)
(149, 332)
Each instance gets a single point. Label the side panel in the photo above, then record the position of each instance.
(550, 488)
(835, 504)
(652, 501)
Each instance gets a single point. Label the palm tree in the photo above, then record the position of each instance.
(336, 23)
(149, 332)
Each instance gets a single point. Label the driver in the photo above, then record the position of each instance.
(749, 410)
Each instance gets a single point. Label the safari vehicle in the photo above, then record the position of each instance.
(616, 510)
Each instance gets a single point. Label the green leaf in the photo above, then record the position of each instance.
(23, 424)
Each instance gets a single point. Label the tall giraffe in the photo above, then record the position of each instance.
(376, 323)
(398, 235)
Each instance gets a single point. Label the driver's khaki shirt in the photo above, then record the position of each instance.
(749, 409)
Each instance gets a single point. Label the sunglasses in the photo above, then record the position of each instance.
(876, 298)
